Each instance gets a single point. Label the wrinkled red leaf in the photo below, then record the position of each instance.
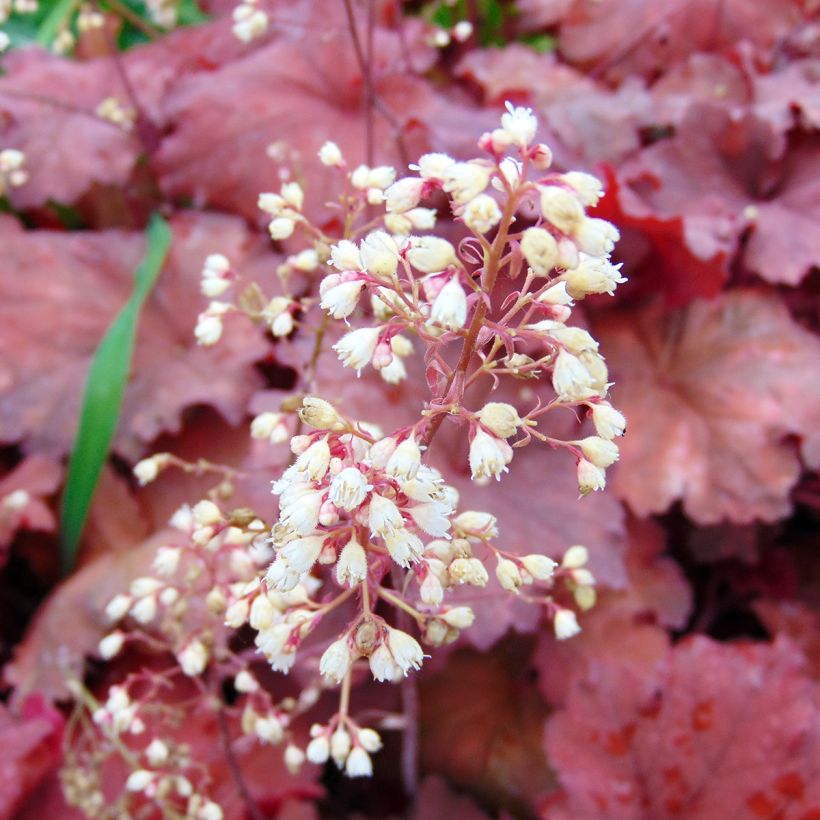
(31, 747)
(59, 293)
(48, 104)
(488, 742)
(296, 92)
(712, 392)
(716, 731)
(647, 36)
(721, 174)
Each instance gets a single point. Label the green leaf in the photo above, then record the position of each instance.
(54, 20)
(104, 389)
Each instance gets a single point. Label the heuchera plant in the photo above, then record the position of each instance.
(370, 537)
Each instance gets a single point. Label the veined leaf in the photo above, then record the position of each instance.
(103, 395)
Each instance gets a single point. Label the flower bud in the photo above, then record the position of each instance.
(539, 566)
(481, 214)
(430, 254)
(590, 477)
(110, 646)
(500, 418)
(330, 155)
(575, 557)
(600, 451)
(565, 624)
(379, 254)
(449, 309)
(320, 414)
(508, 575)
(561, 208)
(404, 194)
(588, 188)
(540, 250)
(608, 421)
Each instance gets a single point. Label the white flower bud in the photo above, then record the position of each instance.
(405, 650)
(556, 295)
(340, 301)
(489, 456)
(245, 682)
(468, 571)
(384, 516)
(369, 740)
(404, 194)
(208, 330)
(539, 566)
(294, 757)
(359, 764)
(597, 237)
(237, 613)
(139, 780)
(588, 188)
(351, 567)
(561, 208)
(314, 461)
(330, 155)
(430, 254)
(481, 214)
(206, 513)
(340, 742)
(335, 661)
(345, 256)
(459, 617)
(571, 379)
(118, 607)
(540, 250)
(608, 421)
(520, 124)
(405, 461)
(500, 418)
(431, 591)
(268, 729)
(575, 557)
(379, 254)
(476, 523)
(600, 451)
(293, 194)
(306, 260)
(356, 348)
(590, 477)
(156, 752)
(465, 181)
(318, 750)
(449, 309)
(110, 646)
(194, 658)
(565, 624)
(269, 426)
(262, 613)
(434, 166)
(382, 664)
(508, 575)
(320, 414)
(593, 275)
(281, 228)
(166, 561)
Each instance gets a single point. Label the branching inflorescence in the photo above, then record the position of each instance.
(370, 536)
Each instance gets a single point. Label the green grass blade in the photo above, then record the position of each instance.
(104, 391)
(52, 22)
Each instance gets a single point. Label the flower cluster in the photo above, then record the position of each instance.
(360, 568)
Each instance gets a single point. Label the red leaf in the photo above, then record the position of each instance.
(31, 747)
(296, 92)
(711, 393)
(716, 731)
(46, 352)
(626, 37)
